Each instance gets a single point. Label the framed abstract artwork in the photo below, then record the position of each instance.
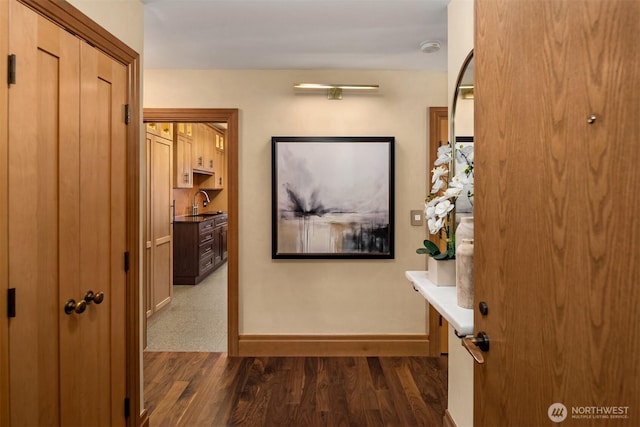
(332, 197)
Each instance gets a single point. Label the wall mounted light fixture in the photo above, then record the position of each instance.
(333, 91)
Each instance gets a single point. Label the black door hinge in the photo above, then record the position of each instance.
(11, 75)
(126, 261)
(127, 114)
(127, 407)
(11, 302)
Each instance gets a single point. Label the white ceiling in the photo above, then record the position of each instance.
(294, 34)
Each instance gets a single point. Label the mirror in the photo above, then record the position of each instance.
(462, 132)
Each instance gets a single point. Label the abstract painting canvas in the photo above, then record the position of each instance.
(332, 197)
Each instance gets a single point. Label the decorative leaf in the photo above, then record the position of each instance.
(441, 256)
(431, 247)
(422, 251)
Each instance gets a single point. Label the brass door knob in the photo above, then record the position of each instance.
(75, 307)
(93, 297)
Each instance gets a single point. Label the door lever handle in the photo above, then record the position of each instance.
(476, 346)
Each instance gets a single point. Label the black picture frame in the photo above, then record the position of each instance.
(332, 197)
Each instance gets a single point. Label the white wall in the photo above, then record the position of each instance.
(122, 18)
(460, 380)
(318, 296)
(460, 43)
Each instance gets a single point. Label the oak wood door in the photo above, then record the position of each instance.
(556, 205)
(67, 234)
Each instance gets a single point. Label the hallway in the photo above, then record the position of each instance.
(210, 389)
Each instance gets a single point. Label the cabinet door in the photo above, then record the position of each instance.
(223, 242)
(183, 174)
(161, 227)
(219, 163)
(217, 235)
(209, 149)
(184, 129)
(65, 369)
(197, 147)
(164, 130)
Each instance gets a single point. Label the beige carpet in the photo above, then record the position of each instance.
(196, 319)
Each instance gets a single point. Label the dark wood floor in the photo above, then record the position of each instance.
(211, 389)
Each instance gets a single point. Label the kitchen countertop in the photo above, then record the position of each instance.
(204, 216)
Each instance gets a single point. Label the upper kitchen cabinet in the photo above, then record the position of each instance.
(203, 149)
(163, 130)
(182, 152)
(185, 129)
(219, 162)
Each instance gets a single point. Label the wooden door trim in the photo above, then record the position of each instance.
(230, 116)
(4, 199)
(436, 115)
(67, 16)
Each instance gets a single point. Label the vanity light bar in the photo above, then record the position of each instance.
(334, 86)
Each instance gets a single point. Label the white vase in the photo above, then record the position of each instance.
(442, 272)
(464, 230)
(464, 273)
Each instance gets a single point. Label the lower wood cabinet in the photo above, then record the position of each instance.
(199, 248)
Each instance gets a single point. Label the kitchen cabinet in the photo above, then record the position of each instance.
(199, 247)
(220, 236)
(208, 148)
(203, 150)
(185, 129)
(163, 130)
(197, 151)
(158, 228)
(182, 170)
(220, 162)
(217, 180)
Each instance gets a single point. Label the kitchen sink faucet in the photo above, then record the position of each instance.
(194, 208)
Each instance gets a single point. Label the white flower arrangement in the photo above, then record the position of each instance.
(442, 200)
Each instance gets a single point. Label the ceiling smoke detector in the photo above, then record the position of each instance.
(430, 46)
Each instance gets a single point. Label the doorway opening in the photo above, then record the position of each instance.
(226, 274)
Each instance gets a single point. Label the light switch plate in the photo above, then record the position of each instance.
(416, 217)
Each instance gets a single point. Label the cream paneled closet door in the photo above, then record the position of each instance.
(67, 233)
